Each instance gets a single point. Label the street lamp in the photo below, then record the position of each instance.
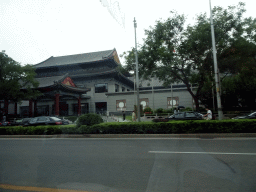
(137, 72)
(217, 82)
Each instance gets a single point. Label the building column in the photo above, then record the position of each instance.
(30, 108)
(57, 103)
(35, 108)
(79, 106)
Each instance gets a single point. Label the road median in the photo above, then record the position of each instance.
(201, 135)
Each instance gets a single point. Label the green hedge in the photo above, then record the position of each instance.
(171, 127)
(174, 127)
(89, 119)
(37, 130)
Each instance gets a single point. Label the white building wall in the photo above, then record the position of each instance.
(160, 99)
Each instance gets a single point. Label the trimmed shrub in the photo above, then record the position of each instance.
(169, 111)
(89, 119)
(187, 109)
(71, 118)
(159, 110)
(147, 110)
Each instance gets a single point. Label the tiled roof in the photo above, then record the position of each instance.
(48, 81)
(75, 59)
(56, 82)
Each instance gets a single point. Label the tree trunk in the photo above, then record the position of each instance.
(193, 95)
(196, 102)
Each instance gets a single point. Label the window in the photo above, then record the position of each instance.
(123, 89)
(101, 107)
(252, 114)
(84, 108)
(101, 88)
(116, 88)
(42, 119)
(179, 115)
(128, 89)
(33, 120)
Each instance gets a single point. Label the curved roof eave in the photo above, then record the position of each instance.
(76, 59)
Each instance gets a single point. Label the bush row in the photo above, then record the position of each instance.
(176, 127)
(172, 127)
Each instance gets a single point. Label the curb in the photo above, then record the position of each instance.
(202, 136)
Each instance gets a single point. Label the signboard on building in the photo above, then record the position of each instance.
(172, 101)
(121, 105)
(144, 102)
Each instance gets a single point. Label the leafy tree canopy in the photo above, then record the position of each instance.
(174, 52)
(14, 78)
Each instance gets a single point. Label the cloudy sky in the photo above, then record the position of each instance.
(33, 30)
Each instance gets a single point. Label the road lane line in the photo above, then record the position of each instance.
(37, 189)
(204, 153)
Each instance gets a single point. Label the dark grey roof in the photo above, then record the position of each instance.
(75, 59)
(55, 82)
(113, 72)
(48, 81)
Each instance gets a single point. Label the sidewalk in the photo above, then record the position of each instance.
(120, 119)
(113, 119)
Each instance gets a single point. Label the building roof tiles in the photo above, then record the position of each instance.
(48, 81)
(75, 59)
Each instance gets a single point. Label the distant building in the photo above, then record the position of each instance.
(91, 83)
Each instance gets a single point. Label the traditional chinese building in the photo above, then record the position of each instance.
(76, 84)
(91, 82)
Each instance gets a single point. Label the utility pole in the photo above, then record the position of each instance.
(220, 113)
(172, 97)
(152, 81)
(137, 72)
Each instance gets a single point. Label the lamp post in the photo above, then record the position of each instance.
(217, 82)
(137, 72)
(153, 93)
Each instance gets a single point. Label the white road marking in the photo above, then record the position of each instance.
(204, 153)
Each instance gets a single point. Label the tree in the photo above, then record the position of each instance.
(175, 53)
(16, 81)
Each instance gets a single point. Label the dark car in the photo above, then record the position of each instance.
(189, 115)
(5, 123)
(44, 120)
(22, 121)
(250, 116)
(65, 121)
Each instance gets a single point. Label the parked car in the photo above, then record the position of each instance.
(250, 116)
(44, 120)
(65, 121)
(22, 121)
(5, 123)
(189, 115)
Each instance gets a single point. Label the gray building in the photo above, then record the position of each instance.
(98, 87)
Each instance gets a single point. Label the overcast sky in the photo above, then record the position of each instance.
(31, 31)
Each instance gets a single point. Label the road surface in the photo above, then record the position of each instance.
(128, 164)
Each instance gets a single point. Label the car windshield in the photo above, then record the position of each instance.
(33, 120)
(252, 114)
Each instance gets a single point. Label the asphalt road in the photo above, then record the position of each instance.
(122, 165)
